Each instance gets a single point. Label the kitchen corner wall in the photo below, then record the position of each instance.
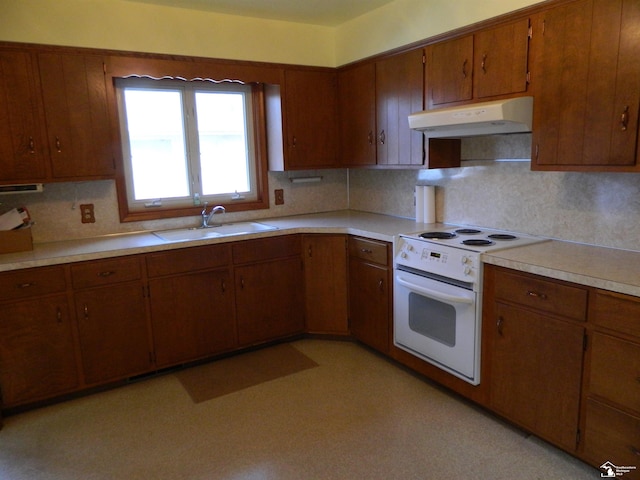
(594, 208)
(56, 211)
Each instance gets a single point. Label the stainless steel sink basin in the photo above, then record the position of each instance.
(213, 232)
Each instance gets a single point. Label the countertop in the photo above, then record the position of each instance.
(600, 267)
(379, 227)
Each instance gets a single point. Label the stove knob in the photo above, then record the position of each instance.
(403, 255)
(464, 260)
(467, 271)
(410, 248)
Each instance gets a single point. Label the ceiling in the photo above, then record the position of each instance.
(317, 12)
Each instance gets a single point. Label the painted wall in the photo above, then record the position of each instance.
(406, 21)
(128, 25)
(125, 25)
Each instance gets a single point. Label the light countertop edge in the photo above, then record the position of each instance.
(600, 267)
(375, 226)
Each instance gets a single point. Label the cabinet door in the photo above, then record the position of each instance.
(37, 352)
(114, 335)
(369, 303)
(450, 71)
(587, 86)
(399, 92)
(357, 111)
(311, 110)
(325, 272)
(22, 145)
(192, 316)
(500, 60)
(536, 369)
(269, 300)
(75, 102)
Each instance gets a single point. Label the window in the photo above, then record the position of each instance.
(189, 142)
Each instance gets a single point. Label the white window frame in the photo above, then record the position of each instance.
(195, 197)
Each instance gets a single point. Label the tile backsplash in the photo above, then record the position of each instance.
(56, 211)
(593, 208)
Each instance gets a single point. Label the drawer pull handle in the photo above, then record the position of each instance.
(26, 285)
(366, 250)
(542, 296)
(106, 273)
(635, 451)
(499, 324)
(58, 145)
(624, 119)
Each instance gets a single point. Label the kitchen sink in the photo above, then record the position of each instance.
(213, 232)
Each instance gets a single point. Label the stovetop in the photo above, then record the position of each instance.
(454, 251)
(474, 239)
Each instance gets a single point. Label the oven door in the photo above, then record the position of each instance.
(438, 322)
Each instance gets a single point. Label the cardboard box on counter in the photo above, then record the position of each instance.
(19, 240)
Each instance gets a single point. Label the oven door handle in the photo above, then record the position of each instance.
(433, 293)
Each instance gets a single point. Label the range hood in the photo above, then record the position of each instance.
(513, 115)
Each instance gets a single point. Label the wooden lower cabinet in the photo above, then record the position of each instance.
(536, 369)
(113, 332)
(37, 350)
(370, 292)
(612, 383)
(192, 316)
(269, 289)
(269, 300)
(325, 280)
(535, 330)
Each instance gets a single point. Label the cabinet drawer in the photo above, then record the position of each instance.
(258, 250)
(369, 250)
(616, 311)
(31, 283)
(188, 260)
(545, 295)
(611, 435)
(615, 370)
(105, 272)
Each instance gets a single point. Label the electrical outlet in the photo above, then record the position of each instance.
(279, 194)
(87, 213)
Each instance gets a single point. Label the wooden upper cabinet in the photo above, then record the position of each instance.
(23, 152)
(76, 114)
(311, 108)
(489, 63)
(586, 79)
(500, 62)
(357, 115)
(450, 71)
(399, 92)
(301, 120)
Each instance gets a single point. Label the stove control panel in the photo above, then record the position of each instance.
(441, 260)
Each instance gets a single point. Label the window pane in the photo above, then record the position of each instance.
(224, 158)
(157, 142)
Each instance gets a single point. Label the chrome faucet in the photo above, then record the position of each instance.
(206, 217)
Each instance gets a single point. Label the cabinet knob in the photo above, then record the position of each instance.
(382, 137)
(464, 68)
(58, 145)
(483, 65)
(32, 146)
(499, 324)
(370, 137)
